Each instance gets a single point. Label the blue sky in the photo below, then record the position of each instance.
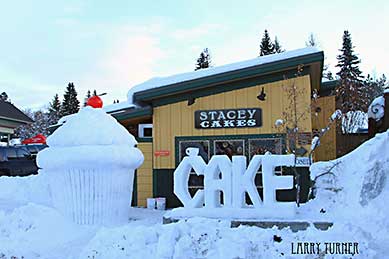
(112, 45)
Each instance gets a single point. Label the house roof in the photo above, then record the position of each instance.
(328, 87)
(10, 112)
(182, 83)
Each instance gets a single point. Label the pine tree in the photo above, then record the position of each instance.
(204, 61)
(311, 41)
(88, 95)
(41, 123)
(4, 97)
(328, 75)
(266, 46)
(375, 87)
(348, 61)
(55, 110)
(277, 46)
(351, 93)
(70, 104)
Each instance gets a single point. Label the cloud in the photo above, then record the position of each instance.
(130, 57)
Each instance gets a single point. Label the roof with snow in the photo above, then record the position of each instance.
(328, 87)
(268, 68)
(10, 112)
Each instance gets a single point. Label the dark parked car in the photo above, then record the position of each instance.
(34, 148)
(19, 160)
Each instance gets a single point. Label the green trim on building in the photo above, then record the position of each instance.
(132, 113)
(231, 86)
(204, 82)
(165, 177)
(155, 183)
(144, 140)
(328, 88)
(135, 190)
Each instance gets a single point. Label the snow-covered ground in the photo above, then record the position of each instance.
(351, 191)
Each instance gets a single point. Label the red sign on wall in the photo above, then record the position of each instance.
(162, 153)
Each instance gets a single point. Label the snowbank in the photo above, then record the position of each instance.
(16, 191)
(352, 191)
(206, 238)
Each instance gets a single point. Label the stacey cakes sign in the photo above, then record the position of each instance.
(228, 118)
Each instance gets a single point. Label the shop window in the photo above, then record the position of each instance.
(196, 182)
(202, 145)
(262, 145)
(229, 147)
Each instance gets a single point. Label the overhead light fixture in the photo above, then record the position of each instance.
(191, 100)
(262, 95)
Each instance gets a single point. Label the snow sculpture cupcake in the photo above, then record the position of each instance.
(90, 164)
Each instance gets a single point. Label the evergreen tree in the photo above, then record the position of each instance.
(70, 104)
(311, 41)
(266, 46)
(55, 110)
(88, 95)
(350, 93)
(328, 75)
(204, 61)
(4, 97)
(40, 125)
(277, 46)
(348, 61)
(94, 93)
(375, 87)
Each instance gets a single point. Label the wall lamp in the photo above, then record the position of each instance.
(262, 95)
(191, 100)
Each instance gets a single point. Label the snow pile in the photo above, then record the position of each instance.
(377, 108)
(206, 238)
(22, 190)
(355, 189)
(35, 231)
(163, 81)
(351, 191)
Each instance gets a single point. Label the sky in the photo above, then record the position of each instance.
(111, 46)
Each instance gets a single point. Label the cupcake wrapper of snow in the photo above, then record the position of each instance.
(105, 156)
(92, 195)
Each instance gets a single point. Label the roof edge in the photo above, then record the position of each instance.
(204, 82)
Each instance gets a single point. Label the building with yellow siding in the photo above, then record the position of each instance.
(245, 108)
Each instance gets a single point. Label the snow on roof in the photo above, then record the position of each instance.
(118, 106)
(163, 81)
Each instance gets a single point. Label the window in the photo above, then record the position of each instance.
(229, 147)
(246, 145)
(145, 130)
(202, 145)
(11, 153)
(260, 146)
(196, 182)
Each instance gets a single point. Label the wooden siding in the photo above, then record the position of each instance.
(327, 149)
(177, 119)
(145, 174)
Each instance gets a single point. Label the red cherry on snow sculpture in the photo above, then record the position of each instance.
(95, 102)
